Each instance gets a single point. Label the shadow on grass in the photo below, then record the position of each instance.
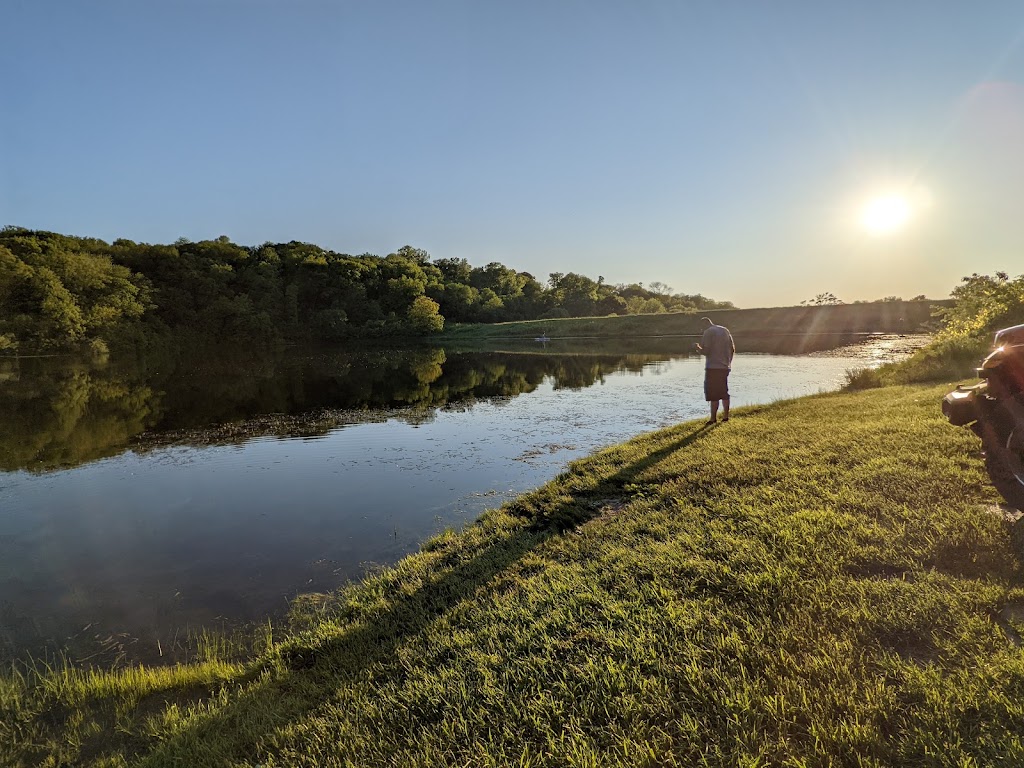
(314, 672)
(583, 505)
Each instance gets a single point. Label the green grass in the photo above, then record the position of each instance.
(888, 317)
(952, 359)
(817, 582)
(574, 327)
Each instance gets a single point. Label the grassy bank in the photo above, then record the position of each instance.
(816, 582)
(950, 359)
(881, 317)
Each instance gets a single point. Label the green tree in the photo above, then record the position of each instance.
(611, 305)
(822, 300)
(457, 301)
(454, 270)
(575, 293)
(984, 304)
(415, 255)
(641, 306)
(424, 316)
(660, 288)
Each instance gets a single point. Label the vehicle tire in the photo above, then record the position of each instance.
(1005, 468)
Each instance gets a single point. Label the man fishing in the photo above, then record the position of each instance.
(718, 349)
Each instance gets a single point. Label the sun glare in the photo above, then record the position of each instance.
(885, 215)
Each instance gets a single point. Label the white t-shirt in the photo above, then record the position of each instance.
(717, 347)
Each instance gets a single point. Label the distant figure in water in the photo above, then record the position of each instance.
(718, 348)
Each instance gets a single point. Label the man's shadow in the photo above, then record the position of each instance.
(317, 668)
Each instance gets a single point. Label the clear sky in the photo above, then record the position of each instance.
(760, 152)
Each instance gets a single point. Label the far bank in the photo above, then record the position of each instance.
(877, 317)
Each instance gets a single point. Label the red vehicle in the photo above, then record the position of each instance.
(994, 410)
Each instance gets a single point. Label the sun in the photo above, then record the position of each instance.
(885, 214)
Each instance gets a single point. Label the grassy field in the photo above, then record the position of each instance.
(816, 582)
(878, 317)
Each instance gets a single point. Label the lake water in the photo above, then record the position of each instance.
(143, 499)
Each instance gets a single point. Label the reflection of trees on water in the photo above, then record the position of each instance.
(367, 385)
(67, 414)
(61, 413)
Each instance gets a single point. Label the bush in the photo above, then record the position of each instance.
(945, 358)
(863, 378)
(942, 360)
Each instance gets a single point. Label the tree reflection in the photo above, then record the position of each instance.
(61, 413)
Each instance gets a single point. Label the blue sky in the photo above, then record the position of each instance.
(724, 148)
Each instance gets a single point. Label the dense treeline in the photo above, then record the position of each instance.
(58, 291)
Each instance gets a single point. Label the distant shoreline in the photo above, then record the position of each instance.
(843, 319)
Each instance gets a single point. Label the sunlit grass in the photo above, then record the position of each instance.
(816, 582)
(952, 359)
(899, 317)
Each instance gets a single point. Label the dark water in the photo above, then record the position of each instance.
(148, 497)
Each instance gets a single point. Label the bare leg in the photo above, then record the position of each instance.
(714, 410)
(725, 409)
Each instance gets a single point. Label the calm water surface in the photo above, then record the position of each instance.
(140, 500)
